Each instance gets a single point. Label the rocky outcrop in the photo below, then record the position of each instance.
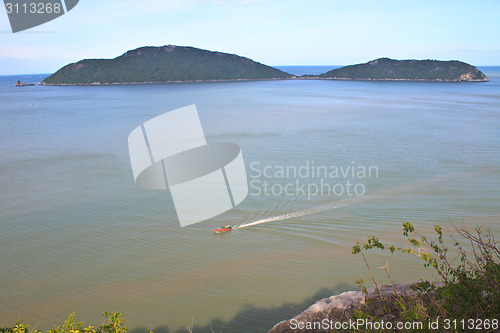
(322, 315)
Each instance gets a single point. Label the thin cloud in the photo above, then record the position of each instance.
(250, 2)
(271, 22)
(218, 2)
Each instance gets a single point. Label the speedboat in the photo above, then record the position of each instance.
(223, 229)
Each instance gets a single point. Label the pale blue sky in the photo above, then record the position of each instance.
(274, 32)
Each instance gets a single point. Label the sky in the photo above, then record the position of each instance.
(273, 32)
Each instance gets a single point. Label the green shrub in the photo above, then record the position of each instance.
(115, 324)
(470, 289)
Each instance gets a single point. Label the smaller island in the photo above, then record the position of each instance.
(407, 70)
(23, 84)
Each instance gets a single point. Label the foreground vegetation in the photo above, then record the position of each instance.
(468, 297)
(114, 324)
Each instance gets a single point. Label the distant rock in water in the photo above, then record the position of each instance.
(23, 84)
(411, 70)
(163, 64)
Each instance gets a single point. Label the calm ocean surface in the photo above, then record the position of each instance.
(77, 235)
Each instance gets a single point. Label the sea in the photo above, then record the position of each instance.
(328, 163)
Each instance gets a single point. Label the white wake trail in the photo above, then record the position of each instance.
(350, 201)
(317, 209)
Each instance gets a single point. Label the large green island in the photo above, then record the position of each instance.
(172, 63)
(167, 63)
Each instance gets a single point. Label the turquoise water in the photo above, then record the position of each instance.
(76, 234)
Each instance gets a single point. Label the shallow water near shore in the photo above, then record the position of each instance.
(77, 235)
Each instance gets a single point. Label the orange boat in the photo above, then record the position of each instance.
(223, 229)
